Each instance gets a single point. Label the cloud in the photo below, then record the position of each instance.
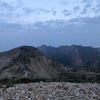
(66, 12)
(87, 1)
(6, 6)
(97, 9)
(64, 2)
(13, 29)
(21, 11)
(17, 12)
(94, 20)
(98, 5)
(28, 10)
(77, 8)
(86, 20)
(9, 10)
(38, 11)
(59, 32)
(87, 6)
(84, 11)
(54, 12)
(85, 33)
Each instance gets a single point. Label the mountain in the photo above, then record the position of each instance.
(98, 49)
(26, 62)
(74, 56)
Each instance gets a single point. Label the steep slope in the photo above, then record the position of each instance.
(74, 56)
(28, 62)
(98, 49)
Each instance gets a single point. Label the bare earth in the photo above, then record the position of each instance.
(51, 91)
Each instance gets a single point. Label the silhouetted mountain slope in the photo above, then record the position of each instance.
(74, 56)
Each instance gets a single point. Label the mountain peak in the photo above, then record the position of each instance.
(26, 59)
(75, 55)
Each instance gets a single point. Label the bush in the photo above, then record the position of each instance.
(27, 80)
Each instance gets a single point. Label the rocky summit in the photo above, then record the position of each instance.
(51, 91)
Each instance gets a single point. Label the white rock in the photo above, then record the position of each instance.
(52, 91)
(1, 98)
(50, 95)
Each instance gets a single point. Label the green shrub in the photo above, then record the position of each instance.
(27, 80)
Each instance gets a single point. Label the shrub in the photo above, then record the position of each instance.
(27, 80)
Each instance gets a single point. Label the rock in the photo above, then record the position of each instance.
(51, 91)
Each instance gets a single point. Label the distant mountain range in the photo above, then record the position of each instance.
(74, 56)
(50, 63)
(98, 49)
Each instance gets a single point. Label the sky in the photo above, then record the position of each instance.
(49, 22)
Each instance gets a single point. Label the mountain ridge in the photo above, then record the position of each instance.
(26, 61)
(76, 56)
(29, 62)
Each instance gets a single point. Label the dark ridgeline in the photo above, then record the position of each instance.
(74, 56)
(65, 63)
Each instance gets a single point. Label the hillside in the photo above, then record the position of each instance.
(98, 49)
(74, 56)
(26, 62)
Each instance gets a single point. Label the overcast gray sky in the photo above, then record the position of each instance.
(49, 22)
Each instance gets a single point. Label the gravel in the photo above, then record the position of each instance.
(51, 91)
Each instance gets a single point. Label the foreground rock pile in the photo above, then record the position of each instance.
(51, 91)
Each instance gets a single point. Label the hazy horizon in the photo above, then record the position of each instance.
(55, 23)
(7, 49)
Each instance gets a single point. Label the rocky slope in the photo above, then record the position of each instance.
(51, 91)
(74, 56)
(26, 62)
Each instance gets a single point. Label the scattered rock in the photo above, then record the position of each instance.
(51, 91)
